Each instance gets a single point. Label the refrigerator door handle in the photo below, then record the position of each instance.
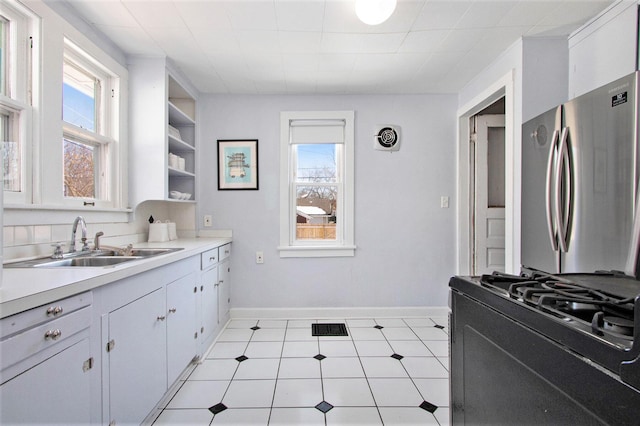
(564, 191)
(550, 187)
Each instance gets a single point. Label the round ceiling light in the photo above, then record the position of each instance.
(374, 12)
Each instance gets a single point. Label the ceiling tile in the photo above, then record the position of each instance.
(299, 16)
(215, 41)
(252, 15)
(105, 12)
(154, 14)
(299, 42)
(423, 41)
(332, 62)
(301, 62)
(211, 15)
(258, 42)
(136, 40)
(441, 14)
(484, 14)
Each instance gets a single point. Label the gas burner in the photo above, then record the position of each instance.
(619, 325)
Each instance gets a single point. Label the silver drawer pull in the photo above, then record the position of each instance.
(52, 334)
(172, 310)
(226, 252)
(54, 310)
(212, 258)
(161, 318)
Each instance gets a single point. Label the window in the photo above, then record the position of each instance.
(317, 184)
(87, 131)
(15, 98)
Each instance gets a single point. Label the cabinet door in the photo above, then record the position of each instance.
(182, 326)
(224, 293)
(209, 301)
(56, 391)
(137, 358)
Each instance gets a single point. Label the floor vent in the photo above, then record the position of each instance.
(329, 330)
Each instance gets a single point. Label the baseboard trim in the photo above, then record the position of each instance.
(324, 313)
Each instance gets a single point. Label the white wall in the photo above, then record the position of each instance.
(405, 241)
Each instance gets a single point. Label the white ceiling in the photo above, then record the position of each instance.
(320, 47)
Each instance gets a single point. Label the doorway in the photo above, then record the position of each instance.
(487, 189)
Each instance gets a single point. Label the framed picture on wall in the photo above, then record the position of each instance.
(237, 164)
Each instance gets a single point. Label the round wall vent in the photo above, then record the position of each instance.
(387, 138)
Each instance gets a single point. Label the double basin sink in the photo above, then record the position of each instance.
(94, 258)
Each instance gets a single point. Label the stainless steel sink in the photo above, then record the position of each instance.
(95, 259)
(92, 261)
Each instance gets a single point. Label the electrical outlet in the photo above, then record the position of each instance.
(444, 202)
(208, 220)
(259, 257)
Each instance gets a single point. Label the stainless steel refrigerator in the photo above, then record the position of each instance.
(579, 182)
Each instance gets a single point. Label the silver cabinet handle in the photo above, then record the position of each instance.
(172, 310)
(52, 334)
(161, 318)
(54, 310)
(212, 258)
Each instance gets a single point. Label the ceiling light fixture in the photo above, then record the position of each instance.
(374, 12)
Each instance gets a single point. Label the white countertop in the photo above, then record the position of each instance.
(26, 288)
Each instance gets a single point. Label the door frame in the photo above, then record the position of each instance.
(503, 87)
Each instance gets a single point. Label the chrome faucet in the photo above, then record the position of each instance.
(83, 228)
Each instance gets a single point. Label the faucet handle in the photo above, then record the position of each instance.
(96, 240)
(57, 252)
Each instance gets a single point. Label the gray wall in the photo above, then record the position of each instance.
(405, 241)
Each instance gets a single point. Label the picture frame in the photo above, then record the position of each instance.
(238, 164)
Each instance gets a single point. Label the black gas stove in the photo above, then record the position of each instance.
(540, 348)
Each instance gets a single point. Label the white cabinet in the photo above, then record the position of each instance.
(46, 364)
(162, 110)
(215, 295)
(136, 358)
(209, 306)
(182, 325)
(224, 284)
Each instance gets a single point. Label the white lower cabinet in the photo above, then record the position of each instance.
(224, 290)
(182, 325)
(55, 391)
(136, 358)
(209, 305)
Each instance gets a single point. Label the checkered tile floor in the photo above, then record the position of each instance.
(274, 372)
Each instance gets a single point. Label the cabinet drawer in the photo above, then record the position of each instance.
(225, 251)
(209, 258)
(35, 339)
(27, 319)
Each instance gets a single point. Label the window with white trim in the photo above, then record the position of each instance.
(88, 141)
(16, 23)
(316, 194)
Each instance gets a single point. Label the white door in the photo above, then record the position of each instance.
(489, 226)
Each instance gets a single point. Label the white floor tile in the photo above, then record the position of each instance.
(249, 394)
(391, 322)
(264, 350)
(341, 368)
(399, 333)
(235, 335)
(215, 369)
(296, 417)
(366, 334)
(383, 367)
(299, 335)
(435, 391)
(242, 323)
(430, 333)
(353, 416)
(395, 392)
(419, 322)
(360, 323)
(298, 393)
(438, 347)
(199, 394)
(424, 367)
(301, 323)
(337, 348)
(299, 368)
(443, 414)
(407, 416)
(242, 417)
(258, 368)
(410, 348)
(444, 361)
(227, 350)
(348, 392)
(272, 323)
(373, 348)
(300, 349)
(332, 321)
(440, 320)
(184, 417)
(268, 335)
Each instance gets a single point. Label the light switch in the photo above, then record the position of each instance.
(444, 202)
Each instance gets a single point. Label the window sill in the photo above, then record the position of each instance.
(317, 251)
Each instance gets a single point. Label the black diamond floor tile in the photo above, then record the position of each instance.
(319, 357)
(439, 326)
(379, 327)
(255, 327)
(397, 356)
(242, 358)
(218, 408)
(324, 406)
(428, 407)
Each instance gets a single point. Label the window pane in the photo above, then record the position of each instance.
(316, 163)
(79, 98)
(79, 169)
(10, 152)
(496, 174)
(316, 212)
